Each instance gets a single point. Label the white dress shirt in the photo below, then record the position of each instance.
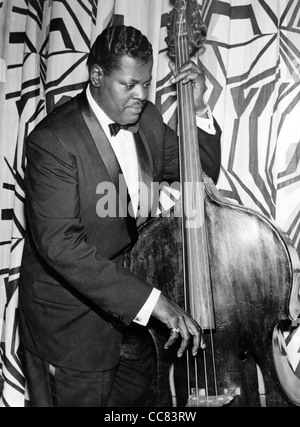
(124, 148)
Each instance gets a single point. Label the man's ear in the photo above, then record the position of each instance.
(96, 75)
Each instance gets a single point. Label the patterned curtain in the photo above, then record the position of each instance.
(251, 60)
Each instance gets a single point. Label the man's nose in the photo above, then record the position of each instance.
(141, 93)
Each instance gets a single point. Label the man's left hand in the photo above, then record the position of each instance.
(191, 72)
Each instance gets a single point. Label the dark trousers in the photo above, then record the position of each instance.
(132, 383)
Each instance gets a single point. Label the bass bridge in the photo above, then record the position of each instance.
(201, 400)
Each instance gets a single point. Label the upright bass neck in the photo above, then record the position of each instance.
(197, 278)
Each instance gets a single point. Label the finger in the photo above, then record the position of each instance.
(191, 67)
(186, 337)
(181, 73)
(198, 340)
(187, 65)
(173, 338)
(173, 67)
(190, 75)
(183, 78)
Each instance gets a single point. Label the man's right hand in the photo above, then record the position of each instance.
(181, 324)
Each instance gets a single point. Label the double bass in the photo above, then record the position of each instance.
(230, 267)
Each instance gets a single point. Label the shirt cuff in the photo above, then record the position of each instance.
(207, 123)
(144, 315)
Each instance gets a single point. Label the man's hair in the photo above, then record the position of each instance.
(114, 43)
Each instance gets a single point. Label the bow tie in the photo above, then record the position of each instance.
(116, 127)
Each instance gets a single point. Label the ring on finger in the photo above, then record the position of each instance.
(175, 331)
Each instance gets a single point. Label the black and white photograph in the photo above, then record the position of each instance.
(149, 206)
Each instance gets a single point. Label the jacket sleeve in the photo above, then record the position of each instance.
(210, 153)
(55, 225)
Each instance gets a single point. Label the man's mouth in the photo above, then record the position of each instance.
(136, 108)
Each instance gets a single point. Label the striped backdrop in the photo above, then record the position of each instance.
(252, 64)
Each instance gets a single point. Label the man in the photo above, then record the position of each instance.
(82, 315)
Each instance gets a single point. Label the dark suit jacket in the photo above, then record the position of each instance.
(73, 292)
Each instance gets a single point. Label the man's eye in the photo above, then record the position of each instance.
(130, 87)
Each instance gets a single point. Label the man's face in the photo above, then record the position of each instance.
(122, 94)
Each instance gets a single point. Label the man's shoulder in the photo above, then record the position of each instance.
(55, 133)
(61, 114)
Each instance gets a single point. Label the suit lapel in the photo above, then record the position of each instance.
(104, 148)
(112, 165)
(145, 176)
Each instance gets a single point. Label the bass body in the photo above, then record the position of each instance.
(255, 276)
